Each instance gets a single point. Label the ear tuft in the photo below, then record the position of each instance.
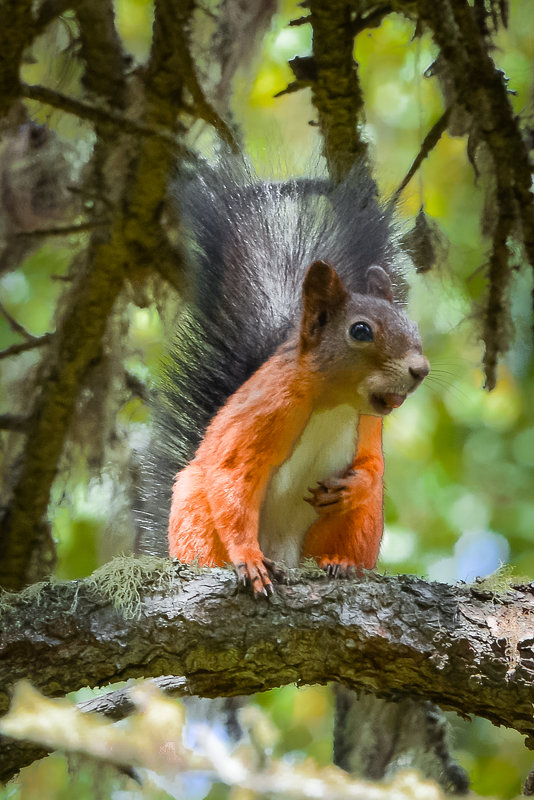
(323, 294)
(379, 283)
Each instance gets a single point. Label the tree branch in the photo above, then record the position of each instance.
(99, 115)
(29, 344)
(15, 326)
(101, 50)
(16, 33)
(13, 422)
(61, 230)
(336, 91)
(463, 648)
(49, 10)
(115, 705)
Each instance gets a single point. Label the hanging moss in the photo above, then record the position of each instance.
(122, 581)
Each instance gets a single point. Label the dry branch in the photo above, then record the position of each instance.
(461, 647)
(92, 113)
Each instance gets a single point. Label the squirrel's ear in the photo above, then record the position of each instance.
(379, 283)
(323, 294)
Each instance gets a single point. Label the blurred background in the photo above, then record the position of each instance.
(459, 460)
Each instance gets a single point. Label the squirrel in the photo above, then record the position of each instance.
(294, 348)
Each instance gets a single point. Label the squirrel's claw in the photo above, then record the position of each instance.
(332, 494)
(276, 572)
(253, 573)
(338, 568)
(257, 573)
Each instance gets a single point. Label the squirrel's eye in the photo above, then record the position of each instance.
(361, 331)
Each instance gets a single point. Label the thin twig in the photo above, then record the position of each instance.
(428, 144)
(63, 230)
(14, 325)
(207, 112)
(300, 21)
(97, 114)
(372, 20)
(13, 422)
(497, 316)
(49, 11)
(15, 349)
(136, 386)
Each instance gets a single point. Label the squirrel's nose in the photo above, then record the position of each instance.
(419, 369)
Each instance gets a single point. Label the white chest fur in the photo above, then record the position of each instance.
(326, 447)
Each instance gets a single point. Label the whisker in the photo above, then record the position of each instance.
(439, 371)
(458, 367)
(437, 385)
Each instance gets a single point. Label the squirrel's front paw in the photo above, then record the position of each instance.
(332, 494)
(257, 571)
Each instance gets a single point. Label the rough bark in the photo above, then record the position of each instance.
(336, 92)
(462, 647)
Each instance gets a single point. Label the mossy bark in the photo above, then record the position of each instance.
(463, 648)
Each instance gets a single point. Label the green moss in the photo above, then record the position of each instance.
(123, 579)
(500, 581)
(310, 570)
(32, 594)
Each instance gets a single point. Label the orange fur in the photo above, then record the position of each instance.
(217, 497)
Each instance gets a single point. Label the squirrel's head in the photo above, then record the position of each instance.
(366, 349)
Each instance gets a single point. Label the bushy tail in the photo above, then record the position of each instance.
(249, 246)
